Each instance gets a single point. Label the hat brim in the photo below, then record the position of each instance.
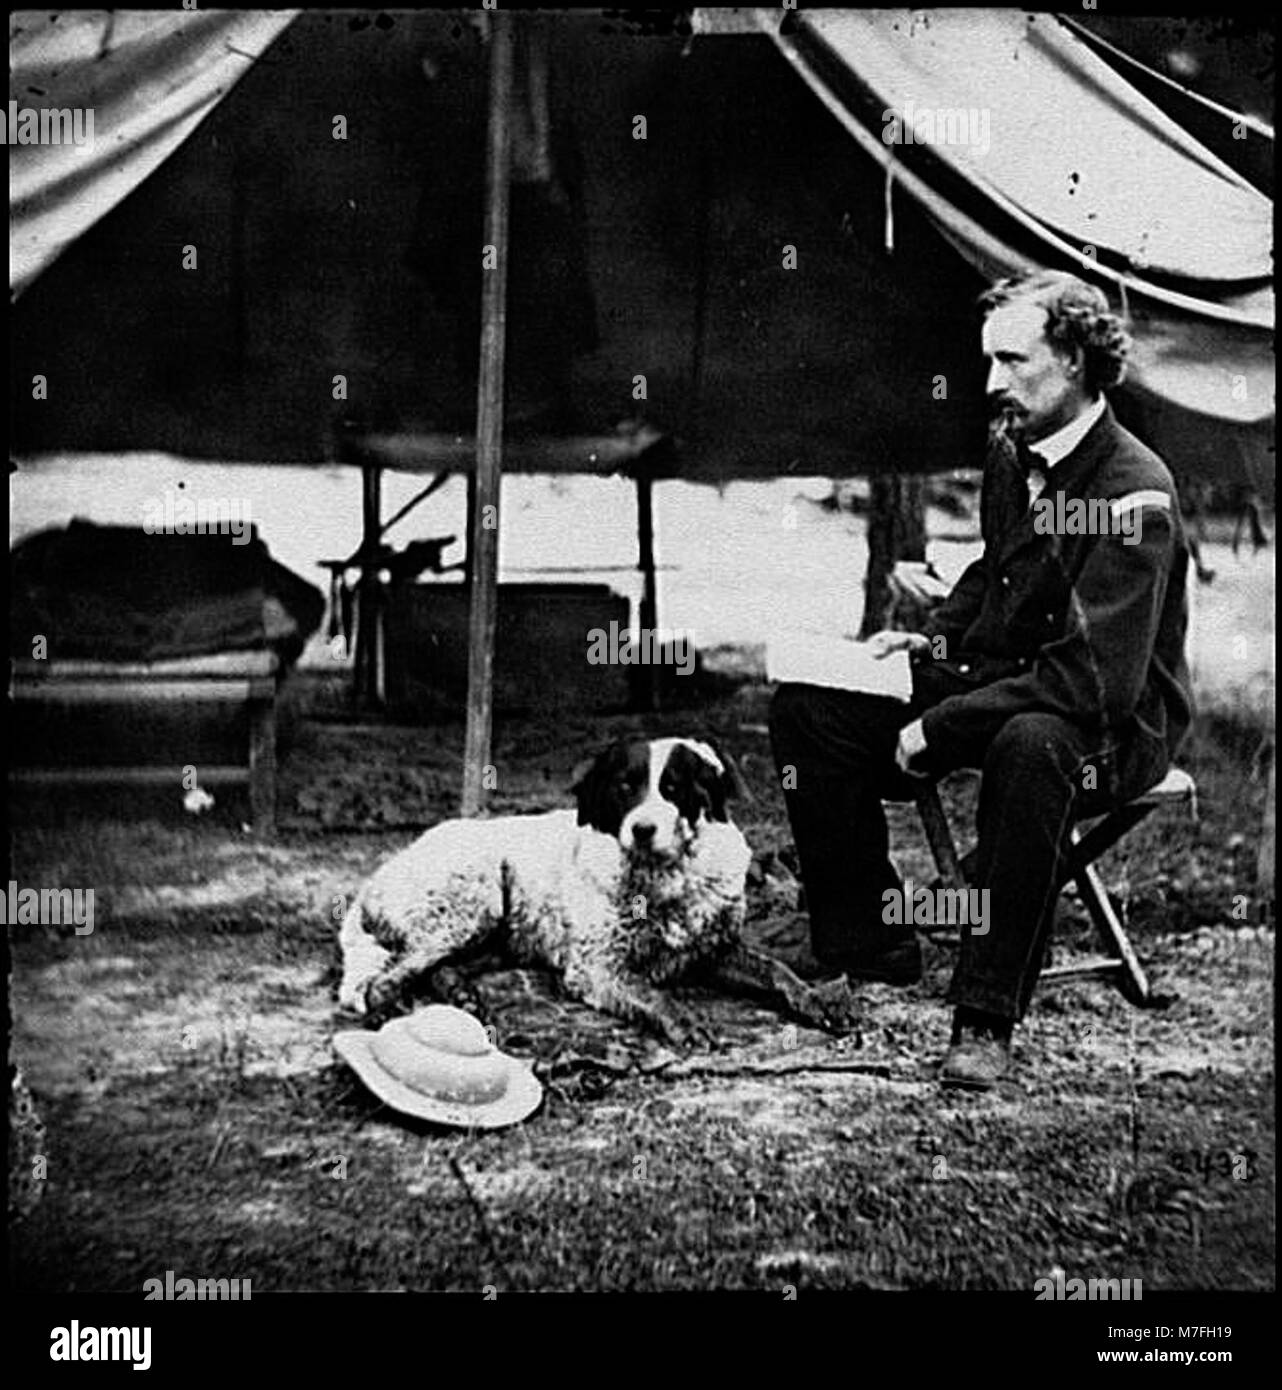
(522, 1097)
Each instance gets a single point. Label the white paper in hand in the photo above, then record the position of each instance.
(810, 658)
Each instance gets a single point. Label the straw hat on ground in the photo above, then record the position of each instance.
(437, 1064)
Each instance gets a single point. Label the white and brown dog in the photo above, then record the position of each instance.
(641, 888)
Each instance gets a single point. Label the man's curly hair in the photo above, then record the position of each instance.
(1077, 316)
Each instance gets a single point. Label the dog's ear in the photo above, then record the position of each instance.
(586, 787)
(716, 784)
(733, 787)
(581, 773)
(592, 779)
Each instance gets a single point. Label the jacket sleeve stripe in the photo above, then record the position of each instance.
(1148, 497)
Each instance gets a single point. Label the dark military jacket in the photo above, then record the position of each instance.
(1089, 626)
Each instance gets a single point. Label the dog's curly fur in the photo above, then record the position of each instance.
(619, 905)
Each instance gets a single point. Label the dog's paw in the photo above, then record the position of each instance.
(834, 1007)
(685, 1029)
(449, 985)
(351, 1001)
(384, 1000)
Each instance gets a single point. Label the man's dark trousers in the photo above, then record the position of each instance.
(835, 751)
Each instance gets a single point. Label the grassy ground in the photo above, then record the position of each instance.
(198, 1120)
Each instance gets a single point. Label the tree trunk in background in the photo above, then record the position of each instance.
(896, 531)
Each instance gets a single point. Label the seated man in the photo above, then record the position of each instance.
(1056, 666)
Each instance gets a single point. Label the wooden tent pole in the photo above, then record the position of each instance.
(368, 620)
(483, 544)
(649, 617)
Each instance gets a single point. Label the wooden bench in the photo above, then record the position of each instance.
(1090, 838)
(248, 678)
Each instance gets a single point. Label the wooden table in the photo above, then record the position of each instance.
(642, 453)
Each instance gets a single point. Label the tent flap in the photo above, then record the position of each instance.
(1027, 150)
(137, 84)
(773, 310)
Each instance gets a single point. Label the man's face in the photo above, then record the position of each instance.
(1029, 383)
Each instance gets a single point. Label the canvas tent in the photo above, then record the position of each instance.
(735, 271)
(313, 249)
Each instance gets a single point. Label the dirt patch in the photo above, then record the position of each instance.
(199, 1121)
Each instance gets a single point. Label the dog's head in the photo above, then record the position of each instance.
(653, 796)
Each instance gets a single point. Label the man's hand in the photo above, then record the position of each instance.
(912, 742)
(881, 644)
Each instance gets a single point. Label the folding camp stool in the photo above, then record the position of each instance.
(1090, 838)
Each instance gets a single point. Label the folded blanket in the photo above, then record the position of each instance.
(115, 593)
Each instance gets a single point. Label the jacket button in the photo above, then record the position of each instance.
(964, 668)
(1006, 581)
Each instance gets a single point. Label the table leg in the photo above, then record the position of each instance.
(262, 765)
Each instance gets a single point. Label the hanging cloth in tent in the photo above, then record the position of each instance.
(551, 307)
(135, 83)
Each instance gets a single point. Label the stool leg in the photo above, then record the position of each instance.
(1122, 957)
(1094, 894)
(939, 837)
